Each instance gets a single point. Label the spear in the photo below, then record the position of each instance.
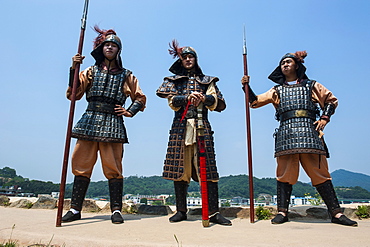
(248, 125)
(202, 166)
(70, 119)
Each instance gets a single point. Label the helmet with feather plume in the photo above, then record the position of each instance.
(103, 37)
(180, 52)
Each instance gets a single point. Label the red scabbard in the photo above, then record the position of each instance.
(202, 166)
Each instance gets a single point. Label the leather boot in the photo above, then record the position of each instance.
(181, 190)
(213, 208)
(284, 191)
(115, 194)
(80, 186)
(327, 193)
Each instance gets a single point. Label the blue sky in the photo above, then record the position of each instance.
(39, 38)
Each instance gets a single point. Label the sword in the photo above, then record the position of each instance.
(202, 166)
(248, 127)
(70, 120)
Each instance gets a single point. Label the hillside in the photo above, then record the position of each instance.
(348, 185)
(346, 178)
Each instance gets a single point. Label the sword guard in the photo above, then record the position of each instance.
(205, 223)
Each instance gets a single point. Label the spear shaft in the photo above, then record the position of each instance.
(70, 119)
(248, 128)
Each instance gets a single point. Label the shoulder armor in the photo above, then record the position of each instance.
(207, 79)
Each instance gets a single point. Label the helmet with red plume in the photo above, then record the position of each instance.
(103, 37)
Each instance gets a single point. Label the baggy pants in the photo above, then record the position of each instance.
(315, 166)
(85, 155)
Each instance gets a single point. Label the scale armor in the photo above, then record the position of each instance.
(297, 114)
(180, 87)
(100, 122)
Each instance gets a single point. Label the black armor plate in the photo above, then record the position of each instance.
(296, 133)
(99, 122)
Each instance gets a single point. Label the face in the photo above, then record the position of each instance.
(110, 50)
(188, 61)
(288, 66)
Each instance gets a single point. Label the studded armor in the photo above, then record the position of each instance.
(99, 122)
(180, 87)
(297, 114)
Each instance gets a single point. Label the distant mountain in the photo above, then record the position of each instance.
(346, 178)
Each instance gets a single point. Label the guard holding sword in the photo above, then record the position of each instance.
(191, 95)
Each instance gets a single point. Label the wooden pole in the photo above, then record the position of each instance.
(248, 128)
(70, 120)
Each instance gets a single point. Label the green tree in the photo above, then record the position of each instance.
(8, 172)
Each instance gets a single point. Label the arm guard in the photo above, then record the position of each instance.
(210, 100)
(135, 107)
(328, 110)
(71, 77)
(179, 100)
(252, 95)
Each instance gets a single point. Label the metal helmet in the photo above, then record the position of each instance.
(104, 37)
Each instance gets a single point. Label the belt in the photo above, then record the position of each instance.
(101, 107)
(297, 113)
(191, 113)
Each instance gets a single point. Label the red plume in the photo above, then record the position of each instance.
(300, 55)
(102, 34)
(175, 50)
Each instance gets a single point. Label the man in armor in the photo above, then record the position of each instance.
(186, 91)
(298, 140)
(101, 128)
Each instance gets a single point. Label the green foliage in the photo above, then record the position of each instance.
(352, 192)
(363, 211)
(315, 200)
(10, 242)
(238, 185)
(263, 213)
(144, 201)
(157, 203)
(8, 172)
(171, 200)
(229, 187)
(29, 205)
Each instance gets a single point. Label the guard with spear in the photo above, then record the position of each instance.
(190, 153)
(303, 107)
(107, 85)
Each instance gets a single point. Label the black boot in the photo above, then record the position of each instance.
(327, 193)
(213, 208)
(80, 186)
(115, 193)
(181, 190)
(284, 191)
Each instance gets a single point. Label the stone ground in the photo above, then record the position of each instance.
(37, 226)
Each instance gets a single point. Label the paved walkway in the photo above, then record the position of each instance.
(37, 226)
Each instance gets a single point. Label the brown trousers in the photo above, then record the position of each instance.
(85, 155)
(315, 166)
(191, 165)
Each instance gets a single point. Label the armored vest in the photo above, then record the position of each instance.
(100, 122)
(182, 86)
(297, 114)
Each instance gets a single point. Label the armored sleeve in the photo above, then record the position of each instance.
(85, 79)
(251, 94)
(266, 98)
(220, 102)
(326, 99)
(138, 98)
(211, 97)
